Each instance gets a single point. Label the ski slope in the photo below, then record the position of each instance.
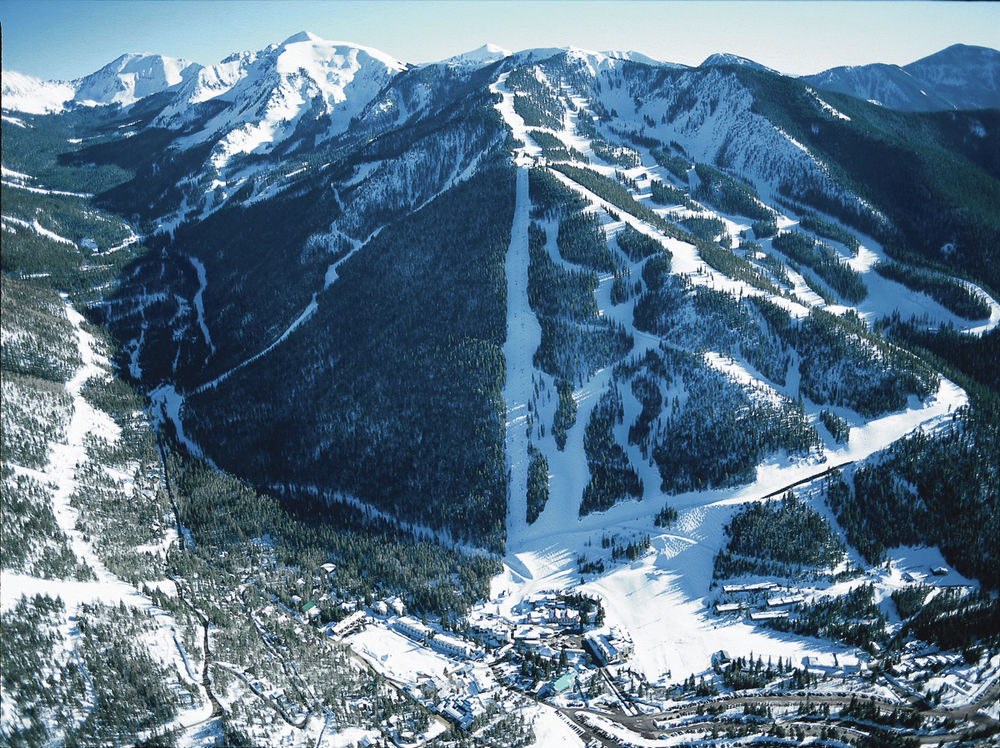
(523, 336)
(663, 598)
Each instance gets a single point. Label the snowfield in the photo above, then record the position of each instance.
(523, 336)
(552, 730)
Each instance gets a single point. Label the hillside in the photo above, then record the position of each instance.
(516, 399)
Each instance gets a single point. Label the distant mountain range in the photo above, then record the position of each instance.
(959, 77)
(126, 80)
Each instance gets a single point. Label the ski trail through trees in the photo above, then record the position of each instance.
(523, 336)
(676, 573)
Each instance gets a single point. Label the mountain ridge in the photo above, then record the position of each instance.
(123, 81)
(957, 77)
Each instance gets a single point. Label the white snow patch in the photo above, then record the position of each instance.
(551, 729)
(25, 93)
(35, 226)
(169, 403)
(198, 302)
(827, 107)
(523, 336)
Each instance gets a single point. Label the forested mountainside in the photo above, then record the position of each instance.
(315, 337)
(959, 77)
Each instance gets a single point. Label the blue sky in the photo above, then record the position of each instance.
(60, 39)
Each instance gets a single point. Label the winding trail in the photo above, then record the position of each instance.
(199, 304)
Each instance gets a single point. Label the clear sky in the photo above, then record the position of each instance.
(67, 39)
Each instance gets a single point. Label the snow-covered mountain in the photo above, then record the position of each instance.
(888, 85)
(959, 77)
(632, 55)
(132, 77)
(124, 81)
(262, 97)
(510, 340)
(25, 93)
(713, 114)
(967, 76)
(727, 58)
(483, 55)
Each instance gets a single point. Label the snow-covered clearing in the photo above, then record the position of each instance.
(802, 290)
(64, 458)
(16, 121)
(551, 729)
(128, 241)
(827, 107)
(885, 296)
(349, 737)
(168, 403)
(686, 261)
(42, 190)
(506, 108)
(198, 302)
(663, 598)
(399, 658)
(994, 319)
(40, 230)
(619, 732)
(523, 336)
(738, 372)
(13, 174)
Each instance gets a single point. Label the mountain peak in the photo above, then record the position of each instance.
(727, 58)
(957, 52)
(483, 55)
(297, 45)
(131, 77)
(632, 56)
(302, 36)
(491, 48)
(142, 62)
